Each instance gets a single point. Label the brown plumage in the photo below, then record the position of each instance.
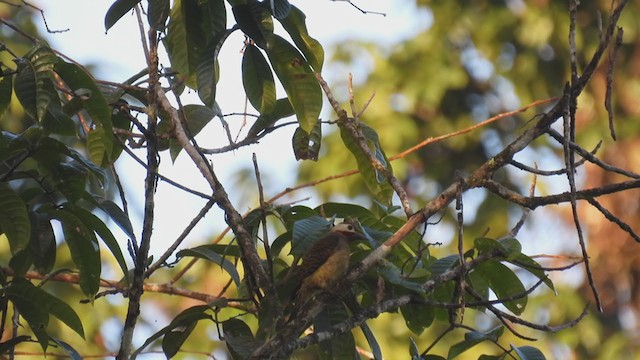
(326, 262)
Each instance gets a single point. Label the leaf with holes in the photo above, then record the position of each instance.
(307, 146)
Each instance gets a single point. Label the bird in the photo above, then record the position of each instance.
(325, 263)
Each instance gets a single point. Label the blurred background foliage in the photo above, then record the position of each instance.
(474, 59)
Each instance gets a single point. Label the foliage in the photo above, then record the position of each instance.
(58, 171)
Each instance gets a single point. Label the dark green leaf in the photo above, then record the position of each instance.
(533, 267)
(84, 249)
(239, 338)
(198, 117)
(295, 25)
(338, 347)
(505, 284)
(394, 275)
(282, 110)
(117, 11)
(158, 13)
(280, 8)
(185, 320)
(373, 343)
(417, 317)
(33, 71)
(43, 243)
(21, 262)
(413, 349)
(68, 349)
(445, 264)
(118, 216)
(22, 291)
(306, 232)
(472, 339)
(208, 253)
(298, 80)
(55, 120)
(6, 88)
(258, 80)
(255, 21)
(374, 179)
(528, 353)
(93, 223)
(14, 219)
(100, 139)
(307, 146)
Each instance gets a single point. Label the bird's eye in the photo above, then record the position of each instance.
(350, 228)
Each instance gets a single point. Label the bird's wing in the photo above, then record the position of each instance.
(318, 254)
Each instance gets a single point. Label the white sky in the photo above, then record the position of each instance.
(117, 55)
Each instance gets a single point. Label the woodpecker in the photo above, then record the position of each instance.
(326, 262)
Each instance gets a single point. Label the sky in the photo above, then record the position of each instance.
(116, 55)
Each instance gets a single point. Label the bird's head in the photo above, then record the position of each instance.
(347, 229)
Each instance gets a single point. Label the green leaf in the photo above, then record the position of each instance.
(30, 307)
(209, 253)
(84, 248)
(373, 343)
(417, 317)
(504, 283)
(375, 180)
(21, 291)
(295, 25)
(532, 266)
(198, 117)
(181, 327)
(68, 349)
(472, 339)
(183, 321)
(100, 138)
(528, 353)
(338, 347)
(444, 264)
(298, 81)
(118, 216)
(394, 275)
(307, 146)
(239, 338)
(117, 11)
(43, 243)
(258, 80)
(280, 8)
(255, 21)
(158, 13)
(14, 219)
(55, 120)
(193, 39)
(93, 223)
(306, 232)
(282, 109)
(6, 89)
